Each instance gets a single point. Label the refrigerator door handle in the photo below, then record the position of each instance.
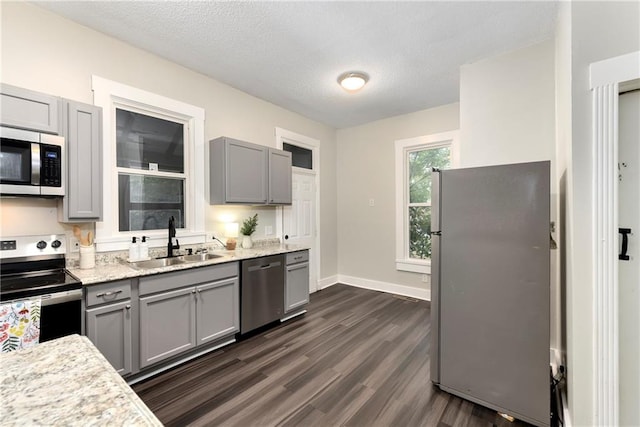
(435, 276)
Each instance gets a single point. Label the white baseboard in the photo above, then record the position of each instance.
(392, 288)
(327, 281)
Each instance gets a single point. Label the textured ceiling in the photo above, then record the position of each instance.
(291, 53)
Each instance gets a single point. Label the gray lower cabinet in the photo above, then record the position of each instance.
(246, 173)
(109, 316)
(184, 309)
(26, 109)
(296, 281)
(82, 129)
(109, 329)
(167, 325)
(217, 310)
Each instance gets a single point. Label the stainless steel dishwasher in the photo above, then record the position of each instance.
(261, 292)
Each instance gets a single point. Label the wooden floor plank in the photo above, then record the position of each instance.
(356, 358)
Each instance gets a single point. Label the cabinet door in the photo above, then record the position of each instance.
(296, 286)
(109, 329)
(246, 172)
(167, 325)
(279, 177)
(83, 132)
(26, 109)
(217, 310)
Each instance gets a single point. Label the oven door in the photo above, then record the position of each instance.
(60, 314)
(19, 162)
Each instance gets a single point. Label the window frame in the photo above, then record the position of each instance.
(111, 95)
(403, 147)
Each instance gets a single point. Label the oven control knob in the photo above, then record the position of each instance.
(41, 244)
(56, 244)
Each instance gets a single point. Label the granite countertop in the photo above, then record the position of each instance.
(118, 269)
(66, 382)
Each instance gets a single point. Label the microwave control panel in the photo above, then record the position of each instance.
(51, 165)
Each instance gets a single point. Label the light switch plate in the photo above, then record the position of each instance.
(268, 230)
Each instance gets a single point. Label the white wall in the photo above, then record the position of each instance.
(47, 53)
(507, 108)
(366, 168)
(599, 30)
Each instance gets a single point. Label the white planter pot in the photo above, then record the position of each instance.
(247, 243)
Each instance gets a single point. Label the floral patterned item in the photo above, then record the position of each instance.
(19, 325)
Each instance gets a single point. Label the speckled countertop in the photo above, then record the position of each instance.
(118, 269)
(66, 382)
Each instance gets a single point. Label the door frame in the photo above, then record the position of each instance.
(283, 135)
(607, 78)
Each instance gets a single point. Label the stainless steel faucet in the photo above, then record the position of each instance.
(172, 235)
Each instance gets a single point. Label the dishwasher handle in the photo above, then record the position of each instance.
(264, 266)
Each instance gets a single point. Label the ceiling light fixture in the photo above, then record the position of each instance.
(353, 81)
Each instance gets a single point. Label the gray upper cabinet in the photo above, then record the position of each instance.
(82, 128)
(246, 173)
(26, 109)
(279, 177)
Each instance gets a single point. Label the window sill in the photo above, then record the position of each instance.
(414, 266)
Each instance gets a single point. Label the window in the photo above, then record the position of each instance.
(300, 157)
(415, 159)
(153, 149)
(150, 154)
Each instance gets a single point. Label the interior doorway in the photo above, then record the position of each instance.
(299, 223)
(629, 256)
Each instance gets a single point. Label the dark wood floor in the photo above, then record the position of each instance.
(357, 358)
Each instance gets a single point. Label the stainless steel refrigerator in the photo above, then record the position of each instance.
(490, 287)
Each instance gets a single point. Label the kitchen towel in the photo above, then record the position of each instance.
(19, 324)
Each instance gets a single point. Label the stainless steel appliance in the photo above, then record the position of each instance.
(261, 292)
(490, 287)
(31, 163)
(34, 267)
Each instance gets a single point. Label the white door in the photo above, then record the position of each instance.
(299, 219)
(629, 270)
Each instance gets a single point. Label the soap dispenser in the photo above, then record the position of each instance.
(144, 249)
(134, 250)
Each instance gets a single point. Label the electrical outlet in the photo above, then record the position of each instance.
(425, 278)
(268, 230)
(372, 202)
(73, 244)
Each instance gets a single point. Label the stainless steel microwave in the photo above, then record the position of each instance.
(31, 163)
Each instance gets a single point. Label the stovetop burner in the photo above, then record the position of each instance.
(32, 266)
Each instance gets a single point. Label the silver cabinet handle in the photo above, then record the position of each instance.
(108, 294)
(193, 291)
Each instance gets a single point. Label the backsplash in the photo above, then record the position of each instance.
(105, 258)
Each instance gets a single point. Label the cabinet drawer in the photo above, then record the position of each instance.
(182, 278)
(108, 292)
(296, 257)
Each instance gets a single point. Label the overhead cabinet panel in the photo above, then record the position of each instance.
(26, 109)
(248, 174)
(83, 133)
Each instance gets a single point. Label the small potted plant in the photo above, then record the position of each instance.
(248, 228)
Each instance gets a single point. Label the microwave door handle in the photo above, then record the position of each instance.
(35, 164)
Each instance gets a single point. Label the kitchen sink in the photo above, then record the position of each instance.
(166, 262)
(199, 257)
(158, 262)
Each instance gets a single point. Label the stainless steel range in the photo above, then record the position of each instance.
(33, 267)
